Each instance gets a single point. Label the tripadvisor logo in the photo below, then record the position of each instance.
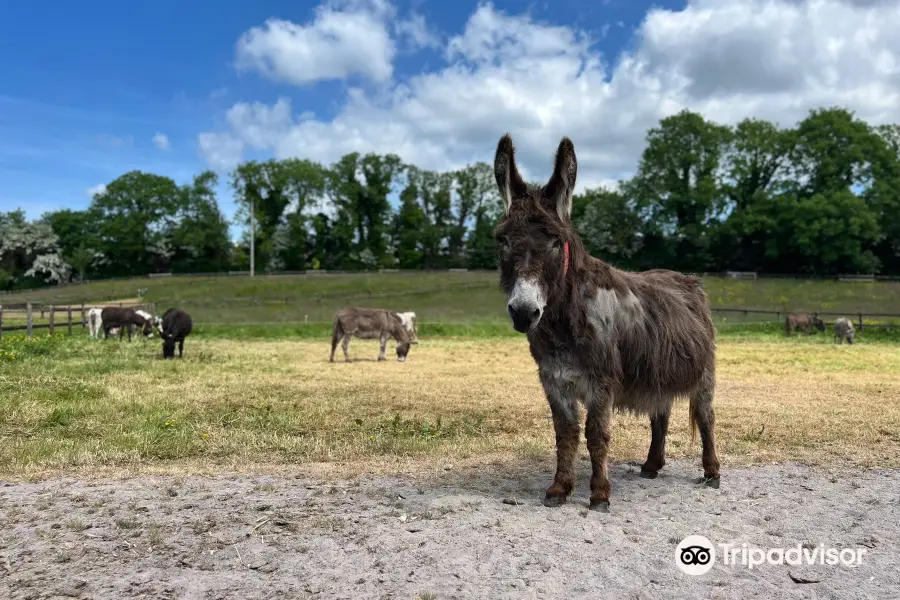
(695, 555)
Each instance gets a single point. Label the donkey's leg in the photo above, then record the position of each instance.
(599, 416)
(181, 348)
(382, 347)
(656, 456)
(561, 397)
(345, 344)
(335, 337)
(702, 412)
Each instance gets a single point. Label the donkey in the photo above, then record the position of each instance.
(370, 323)
(123, 318)
(804, 321)
(175, 326)
(612, 339)
(843, 330)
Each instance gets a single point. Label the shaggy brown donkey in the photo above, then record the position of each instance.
(612, 339)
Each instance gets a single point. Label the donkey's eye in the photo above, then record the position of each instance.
(504, 243)
(556, 245)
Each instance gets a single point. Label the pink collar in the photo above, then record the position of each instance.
(566, 263)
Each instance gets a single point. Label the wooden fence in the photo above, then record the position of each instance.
(65, 316)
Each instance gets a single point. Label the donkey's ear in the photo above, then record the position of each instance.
(507, 175)
(561, 186)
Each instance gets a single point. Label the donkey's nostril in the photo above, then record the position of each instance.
(509, 309)
(535, 314)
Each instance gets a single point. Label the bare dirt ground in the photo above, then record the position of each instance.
(448, 534)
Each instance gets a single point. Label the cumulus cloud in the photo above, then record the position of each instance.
(728, 59)
(416, 30)
(97, 189)
(344, 39)
(161, 141)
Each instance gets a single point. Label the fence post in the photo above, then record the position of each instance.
(82, 315)
(28, 319)
(860, 322)
(1, 321)
(69, 319)
(52, 317)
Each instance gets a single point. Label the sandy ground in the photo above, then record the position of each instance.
(446, 535)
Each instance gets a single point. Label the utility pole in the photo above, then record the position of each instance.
(252, 241)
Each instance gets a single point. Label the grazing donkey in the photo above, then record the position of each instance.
(154, 321)
(843, 329)
(804, 321)
(612, 339)
(176, 325)
(123, 318)
(368, 324)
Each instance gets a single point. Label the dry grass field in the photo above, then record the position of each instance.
(80, 406)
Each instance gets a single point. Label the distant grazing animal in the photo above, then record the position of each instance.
(804, 321)
(123, 318)
(176, 325)
(95, 323)
(154, 321)
(612, 339)
(368, 324)
(843, 329)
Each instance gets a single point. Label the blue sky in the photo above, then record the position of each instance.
(85, 87)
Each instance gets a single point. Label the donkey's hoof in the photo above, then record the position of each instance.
(648, 474)
(712, 482)
(554, 501)
(600, 505)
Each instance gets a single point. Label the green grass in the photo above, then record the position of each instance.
(468, 299)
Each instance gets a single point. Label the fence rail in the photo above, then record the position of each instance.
(73, 316)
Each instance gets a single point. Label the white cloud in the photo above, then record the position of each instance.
(161, 141)
(727, 59)
(222, 151)
(416, 30)
(344, 39)
(97, 189)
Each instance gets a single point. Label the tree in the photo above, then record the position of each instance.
(475, 188)
(135, 214)
(274, 188)
(610, 227)
(30, 250)
(677, 184)
(409, 226)
(200, 240)
(756, 163)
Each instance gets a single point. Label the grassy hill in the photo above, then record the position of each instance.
(471, 298)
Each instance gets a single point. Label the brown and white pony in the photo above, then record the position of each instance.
(611, 339)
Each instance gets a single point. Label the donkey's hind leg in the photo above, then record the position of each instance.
(656, 456)
(345, 344)
(703, 418)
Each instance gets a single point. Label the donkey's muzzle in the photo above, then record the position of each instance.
(524, 316)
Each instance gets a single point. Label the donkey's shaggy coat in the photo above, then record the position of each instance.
(609, 338)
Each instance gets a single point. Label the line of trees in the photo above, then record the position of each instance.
(821, 197)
